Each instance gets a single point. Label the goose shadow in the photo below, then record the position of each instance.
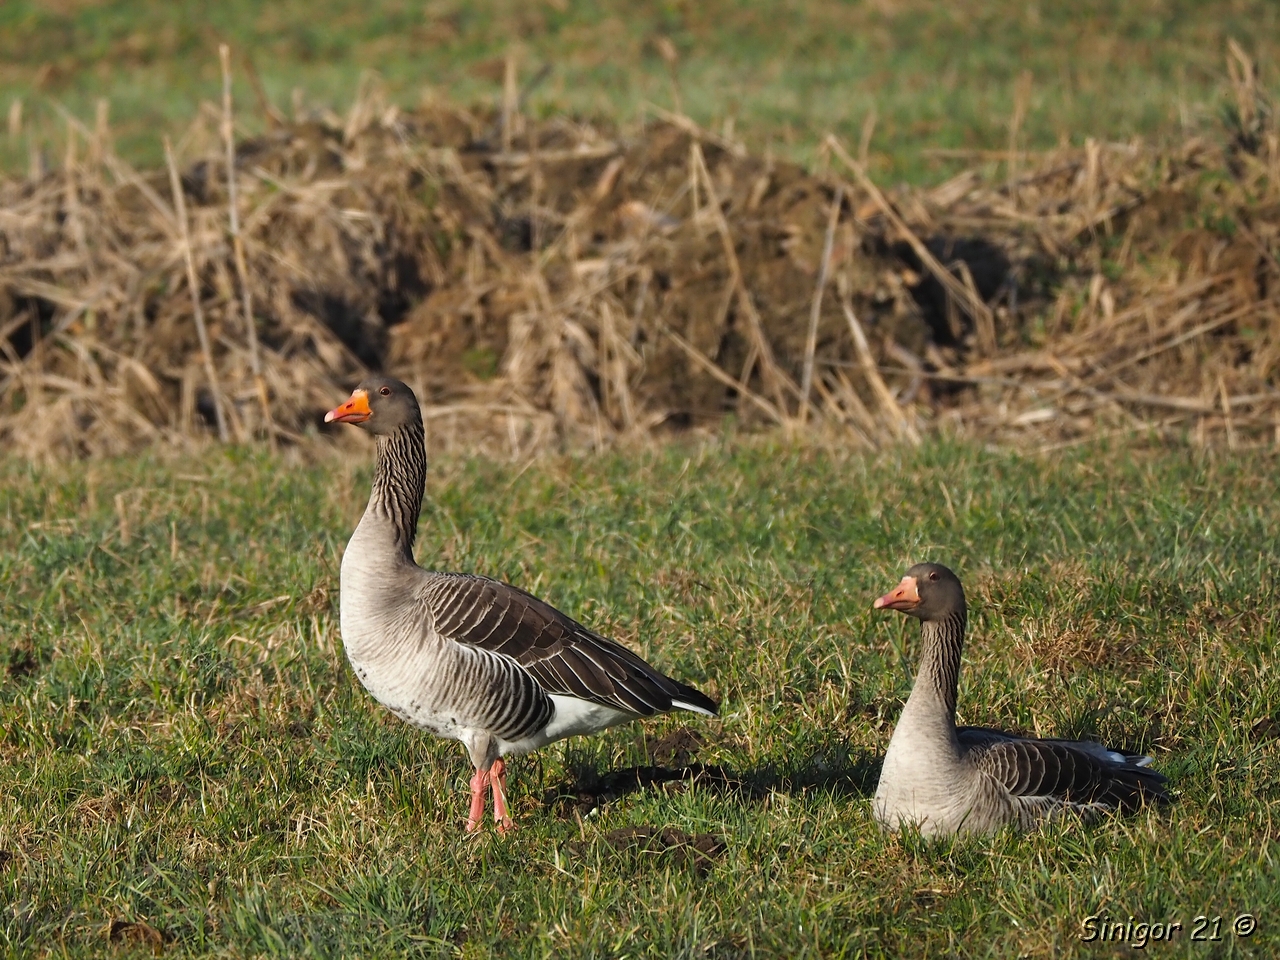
(829, 768)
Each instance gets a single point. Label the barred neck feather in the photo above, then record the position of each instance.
(940, 661)
(398, 483)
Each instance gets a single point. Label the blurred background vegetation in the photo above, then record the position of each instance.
(935, 74)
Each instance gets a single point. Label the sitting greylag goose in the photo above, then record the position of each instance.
(949, 780)
(464, 656)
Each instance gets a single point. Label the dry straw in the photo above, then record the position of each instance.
(551, 282)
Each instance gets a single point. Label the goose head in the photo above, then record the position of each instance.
(929, 591)
(380, 405)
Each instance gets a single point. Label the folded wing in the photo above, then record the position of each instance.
(1046, 773)
(561, 654)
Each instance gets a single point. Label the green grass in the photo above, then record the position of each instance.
(183, 744)
(937, 74)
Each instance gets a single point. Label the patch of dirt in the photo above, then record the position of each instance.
(590, 790)
(1268, 728)
(136, 933)
(675, 748)
(22, 661)
(700, 851)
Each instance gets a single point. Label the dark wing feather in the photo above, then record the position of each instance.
(560, 653)
(1061, 771)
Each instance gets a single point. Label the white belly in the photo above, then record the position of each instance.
(573, 717)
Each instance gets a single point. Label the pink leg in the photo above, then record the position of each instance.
(498, 780)
(479, 784)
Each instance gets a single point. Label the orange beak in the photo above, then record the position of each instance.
(904, 597)
(355, 410)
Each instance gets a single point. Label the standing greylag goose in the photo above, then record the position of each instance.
(464, 656)
(950, 780)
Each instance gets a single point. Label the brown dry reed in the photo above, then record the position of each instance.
(563, 282)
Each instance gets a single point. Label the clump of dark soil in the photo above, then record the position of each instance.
(666, 844)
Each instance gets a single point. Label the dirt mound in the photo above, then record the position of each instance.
(660, 844)
(562, 281)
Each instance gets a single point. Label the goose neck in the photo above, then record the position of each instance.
(939, 672)
(399, 479)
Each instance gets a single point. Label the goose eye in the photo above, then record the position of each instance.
(385, 391)
(933, 575)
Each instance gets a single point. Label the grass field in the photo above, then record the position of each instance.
(936, 74)
(183, 744)
(189, 768)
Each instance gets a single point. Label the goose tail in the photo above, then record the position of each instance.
(687, 698)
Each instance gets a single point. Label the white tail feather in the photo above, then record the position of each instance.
(681, 705)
